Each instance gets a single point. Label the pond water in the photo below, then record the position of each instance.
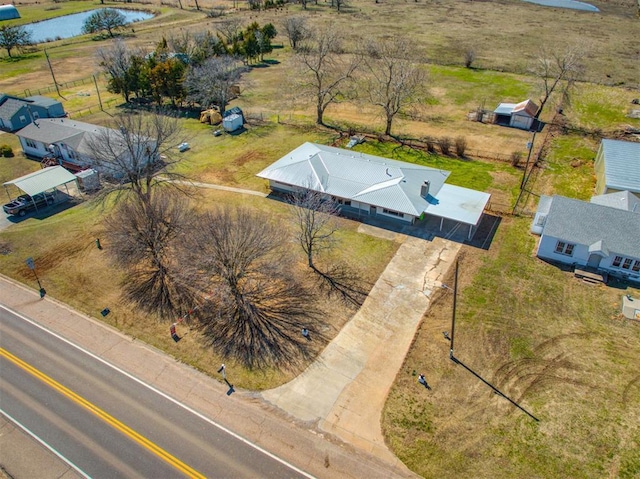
(71, 25)
(574, 4)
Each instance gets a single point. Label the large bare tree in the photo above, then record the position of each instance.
(143, 240)
(211, 83)
(252, 308)
(394, 80)
(137, 153)
(558, 68)
(326, 69)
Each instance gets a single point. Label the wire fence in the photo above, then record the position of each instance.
(65, 85)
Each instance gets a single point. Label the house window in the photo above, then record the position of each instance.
(616, 261)
(627, 263)
(564, 248)
(393, 213)
(36, 115)
(23, 119)
(31, 143)
(636, 266)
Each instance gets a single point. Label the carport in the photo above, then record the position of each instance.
(42, 181)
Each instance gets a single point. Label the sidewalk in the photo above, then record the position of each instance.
(244, 412)
(345, 389)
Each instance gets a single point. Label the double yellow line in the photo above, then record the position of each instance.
(143, 441)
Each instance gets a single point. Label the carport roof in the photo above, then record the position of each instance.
(42, 180)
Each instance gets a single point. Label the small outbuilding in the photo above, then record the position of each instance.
(517, 115)
(8, 12)
(232, 122)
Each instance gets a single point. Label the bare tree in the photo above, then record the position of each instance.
(315, 221)
(394, 81)
(117, 62)
(143, 240)
(136, 155)
(325, 69)
(230, 29)
(256, 308)
(212, 83)
(558, 69)
(296, 29)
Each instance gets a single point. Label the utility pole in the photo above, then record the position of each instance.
(52, 75)
(453, 315)
(95, 82)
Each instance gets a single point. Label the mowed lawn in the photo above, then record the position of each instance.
(74, 271)
(555, 345)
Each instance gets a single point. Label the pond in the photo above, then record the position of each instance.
(71, 25)
(573, 4)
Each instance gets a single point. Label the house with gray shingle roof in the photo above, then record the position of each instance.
(368, 185)
(16, 113)
(617, 167)
(70, 143)
(590, 234)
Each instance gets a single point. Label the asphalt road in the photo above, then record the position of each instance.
(109, 425)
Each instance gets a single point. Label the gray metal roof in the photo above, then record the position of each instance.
(43, 101)
(505, 108)
(623, 200)
(585, 223)
(42, 180)
(385, 183)
(622, 165)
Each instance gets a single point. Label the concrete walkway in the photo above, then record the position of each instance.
(345, 389)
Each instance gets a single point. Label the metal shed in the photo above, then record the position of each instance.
(8, 12)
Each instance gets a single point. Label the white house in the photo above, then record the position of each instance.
(617, 167)
(517, 115)
(366, 185)
(69, 143)
(592, 234)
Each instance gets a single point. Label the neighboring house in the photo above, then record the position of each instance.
(592, 234)
(366, 185)
(517, 115)
(617, 167)
(16, 113)
(8, 12)
(68, 142)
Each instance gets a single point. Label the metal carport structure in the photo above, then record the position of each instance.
(42, 181)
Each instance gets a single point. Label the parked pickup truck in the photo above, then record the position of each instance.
(23, 204)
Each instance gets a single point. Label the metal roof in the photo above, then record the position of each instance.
(505, 109)
(586, 223)
(621, 165)
(42, 180)
(623, 200)
(460, 204)
(382, 182)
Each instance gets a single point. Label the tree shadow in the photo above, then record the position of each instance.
(342, 282)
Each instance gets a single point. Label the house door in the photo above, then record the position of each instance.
(594, 260)
(372, 210)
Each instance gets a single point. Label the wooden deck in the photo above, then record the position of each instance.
(590, 276)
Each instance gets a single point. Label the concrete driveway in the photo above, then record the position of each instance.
(345, 389)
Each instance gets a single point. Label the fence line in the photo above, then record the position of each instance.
(69, 84)
(92, 109)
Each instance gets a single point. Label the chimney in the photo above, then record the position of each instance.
(424, 189)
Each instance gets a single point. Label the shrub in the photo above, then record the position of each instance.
(445, 145)
(6, 151)
(461, 146)
(516, 157)
(431, 144)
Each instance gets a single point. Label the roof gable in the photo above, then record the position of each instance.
(586, 223)
(382, 182)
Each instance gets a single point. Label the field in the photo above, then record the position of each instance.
(556, 346)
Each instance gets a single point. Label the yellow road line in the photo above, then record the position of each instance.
(143, 441)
